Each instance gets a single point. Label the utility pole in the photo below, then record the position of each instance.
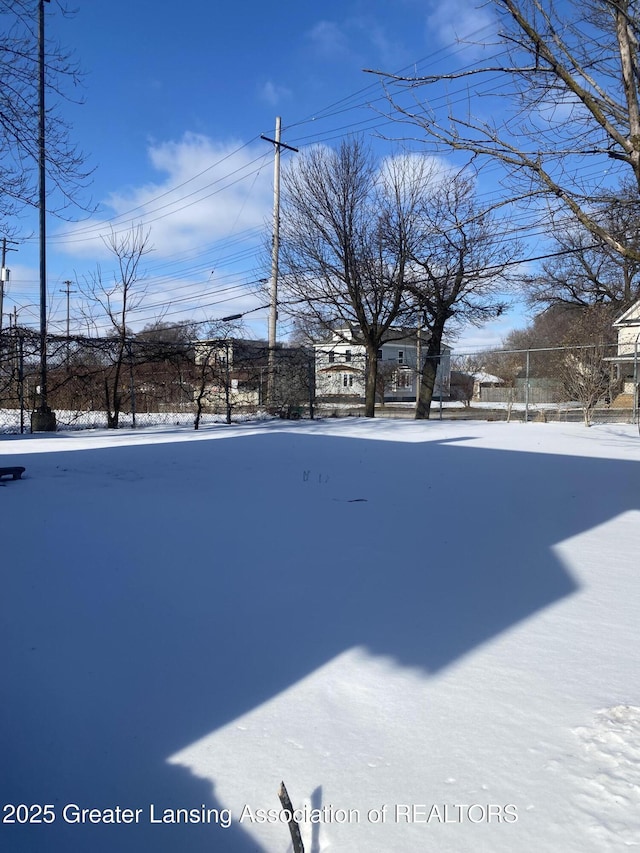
(275, 252)
(4, 273)
(42, 419)
(68, 291)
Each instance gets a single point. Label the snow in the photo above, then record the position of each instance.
(429, 631)
(488, 378)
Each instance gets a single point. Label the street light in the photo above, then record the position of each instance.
(42, 419)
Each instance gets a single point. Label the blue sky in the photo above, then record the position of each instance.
(175, 100)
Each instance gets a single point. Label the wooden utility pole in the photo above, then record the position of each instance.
(68, 291)
(4, 273)
(275, 252)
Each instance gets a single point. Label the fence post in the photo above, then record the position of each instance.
(21, 380)
(636, 402)
(526, 390)
(311, 378)
(132, 389)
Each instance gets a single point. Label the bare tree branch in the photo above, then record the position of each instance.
(115, 300)
(67, 174)
(571, 75)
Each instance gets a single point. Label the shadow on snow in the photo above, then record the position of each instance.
(162, 591)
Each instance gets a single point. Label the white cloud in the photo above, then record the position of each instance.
(460, 20)
(207, 207)
(273, 94)
(414, 166)
(209, 190)
(328, 38)
(360, 35)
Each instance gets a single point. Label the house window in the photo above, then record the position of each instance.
(404, 379)
(400, 356)
(332, 357)
(347, 355)
(379, 355)
(345, 379)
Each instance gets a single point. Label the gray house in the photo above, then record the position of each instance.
(340, 365)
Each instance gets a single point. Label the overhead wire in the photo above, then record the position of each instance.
(349, 103)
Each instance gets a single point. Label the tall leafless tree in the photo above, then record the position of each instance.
(111, 302)
(345, 234)
(583, 270)
(213, 368)
(461, 268)
(569, 85)
(65, 164)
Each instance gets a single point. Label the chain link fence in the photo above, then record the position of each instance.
(592, 383)
(131, 382)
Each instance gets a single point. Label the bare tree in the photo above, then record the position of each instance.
(586, 375)
(163, 355)
(566, 345)
(460, 266)
(386, 378)
(587, 379)
(583, 270)
(344, 242)
(19, 114)
(464, 370)
(213, 360)
(113, 301)
(571, 73)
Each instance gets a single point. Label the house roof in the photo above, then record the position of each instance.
(339, 368)
(631, 316)
(487, 378)
(395, 335)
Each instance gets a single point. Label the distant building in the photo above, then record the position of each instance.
(627, 358)
(233, 367)
(236, 370)
(482, 381)
(340, 367)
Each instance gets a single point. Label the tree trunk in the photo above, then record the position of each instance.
(113, 396)
(199, 398)
(427, 381)
(371, 381)
(428, 377)
(111, 405)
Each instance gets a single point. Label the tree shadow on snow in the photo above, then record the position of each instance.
(164, 590)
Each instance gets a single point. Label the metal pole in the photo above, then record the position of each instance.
(132, 388)
(2, 275)
(636, 402)
(227, 383)
(526, 391)
(418, 360)
(311, 375)
(21, 379)
(43, 419)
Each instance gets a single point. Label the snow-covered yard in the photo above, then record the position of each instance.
(430, 631)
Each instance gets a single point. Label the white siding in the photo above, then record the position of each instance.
(341, 366)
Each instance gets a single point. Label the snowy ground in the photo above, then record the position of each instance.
(430, 631)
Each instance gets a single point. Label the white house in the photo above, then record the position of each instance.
(627, 358)
(340, 365)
